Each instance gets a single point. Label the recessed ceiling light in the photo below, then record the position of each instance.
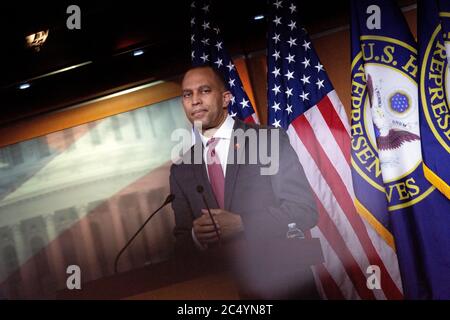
(138, 52)
(258, 17)
(24, 86)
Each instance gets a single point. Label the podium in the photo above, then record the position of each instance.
(237, 270)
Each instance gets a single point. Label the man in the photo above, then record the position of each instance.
(244, 203)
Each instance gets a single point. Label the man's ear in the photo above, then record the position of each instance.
(226, 98)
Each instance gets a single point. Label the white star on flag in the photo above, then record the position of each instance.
(244, 103)
(319, 67)
(292, 42)
(288, 92)
(276, 72)
(276, 37)
(278, 4)
(319, 84)
(276, 123)
(276, 106)
(289, 108)
(218, 45)
(290, 58)
(277, 21)
(304, 95)
(230, 66)
(276, 89)
(204, 57)
(276, 55)
(205, 25)
(218, 62)
(231, 82)
(293, 8)
(305, 79)
(306, 45)
(292, 25)
(289, 75)
(306, 63)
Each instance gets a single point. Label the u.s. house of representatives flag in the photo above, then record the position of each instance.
(208, 49)
(386, 146)
(302, 100)
(434, 31)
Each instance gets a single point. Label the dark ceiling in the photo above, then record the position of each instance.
(110, 31)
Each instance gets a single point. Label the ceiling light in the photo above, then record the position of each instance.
(138, 52)
(258, 17)
(36, 40)
(24, 86)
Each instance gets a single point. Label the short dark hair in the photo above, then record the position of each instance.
(219, 76)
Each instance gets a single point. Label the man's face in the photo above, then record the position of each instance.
(204, 98)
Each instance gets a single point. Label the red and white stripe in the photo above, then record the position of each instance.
(253, 118)
(321, 140)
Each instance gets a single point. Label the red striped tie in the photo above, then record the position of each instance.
(215, 172)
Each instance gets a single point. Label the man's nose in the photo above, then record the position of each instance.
(196, 99)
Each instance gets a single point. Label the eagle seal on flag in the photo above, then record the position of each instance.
(390, 132)
(395, 126)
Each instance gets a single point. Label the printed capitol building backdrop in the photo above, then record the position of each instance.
(76, 196)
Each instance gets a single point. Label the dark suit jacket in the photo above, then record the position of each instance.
(266, 203)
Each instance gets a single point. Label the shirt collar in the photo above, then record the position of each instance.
(224, 131)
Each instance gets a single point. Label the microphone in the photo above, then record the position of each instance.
(200, 190)
(168, 200)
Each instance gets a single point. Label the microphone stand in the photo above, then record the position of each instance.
(200, 190)
(168, 200)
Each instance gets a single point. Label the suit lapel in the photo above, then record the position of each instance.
(234, 157)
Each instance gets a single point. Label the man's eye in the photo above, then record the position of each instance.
(186, 95)
(206, 90)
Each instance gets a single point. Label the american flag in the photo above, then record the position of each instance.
(302, 101)
(208, 49)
